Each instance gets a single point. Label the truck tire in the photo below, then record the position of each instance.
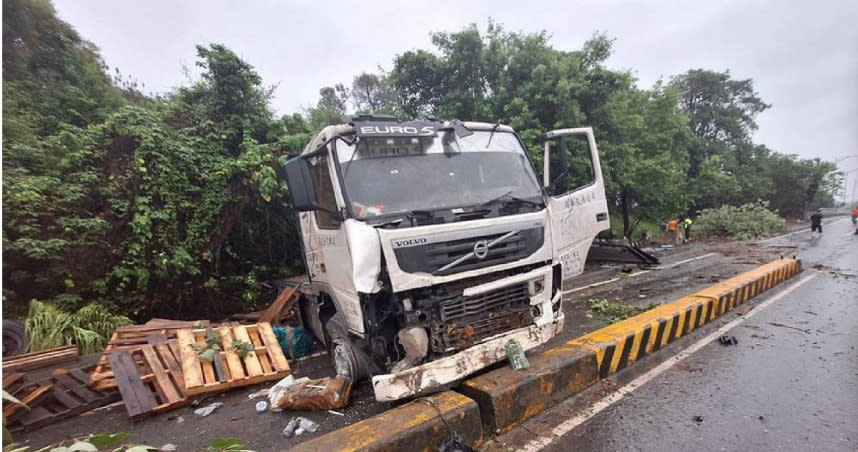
(15, 340)
(345, 358)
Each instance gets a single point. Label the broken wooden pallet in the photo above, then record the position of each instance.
(40, 359)
(129, 338)
(286, 298)
(264, 360)
(149, 378)
(62, 395)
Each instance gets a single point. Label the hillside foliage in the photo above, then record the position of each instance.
(175, 205)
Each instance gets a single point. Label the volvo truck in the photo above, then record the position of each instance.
(431, 244)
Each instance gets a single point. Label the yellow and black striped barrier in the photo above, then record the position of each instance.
(507, 398)
(618, 345)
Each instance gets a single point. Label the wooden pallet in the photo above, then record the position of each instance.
(40, 359)
(130, 338)
(149, 378)
(229, 370)
(62, 395)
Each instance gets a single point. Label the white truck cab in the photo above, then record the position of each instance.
(431, 244)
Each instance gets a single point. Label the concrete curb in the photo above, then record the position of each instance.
(502, 399)
(507, 398)
(413, 426)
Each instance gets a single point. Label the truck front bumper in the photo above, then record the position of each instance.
(440, 372)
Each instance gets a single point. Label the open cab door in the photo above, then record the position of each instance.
(577, 206)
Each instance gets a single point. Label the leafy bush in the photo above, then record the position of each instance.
(743, 222)
(89, 328)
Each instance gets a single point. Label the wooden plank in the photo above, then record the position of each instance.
(259, 347)
(11, 379)
(273, 312)
(35, 415)
(163, 385)
(208, 369)
(38, 360)
(47, 351)
(30, 400)
(156, 338)
(251, 361)
(138, 400)
(190, 361)
(236, 370)
(62, 397)
(69, 384)
(173, 366)
(278, 359)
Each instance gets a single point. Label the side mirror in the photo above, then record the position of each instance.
(302, 192)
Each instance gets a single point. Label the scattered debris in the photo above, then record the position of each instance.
(781, 325)
(336, 412)
(810, 312)
(261, 406)
(260, 393)
(698, 419)
(180, 419)
(169, 447)
(728, 340)
(745, 309)
(820, 267)
(299, 425)
(688, 367)
(209, 409)
(322, 394)
(515, 355)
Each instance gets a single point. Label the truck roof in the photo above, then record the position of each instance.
(380, 122)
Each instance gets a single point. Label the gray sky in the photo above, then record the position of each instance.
(803, 56)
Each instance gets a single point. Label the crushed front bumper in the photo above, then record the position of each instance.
(434, 375)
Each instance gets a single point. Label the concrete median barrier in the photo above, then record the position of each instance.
(508, 398)
(416, 426)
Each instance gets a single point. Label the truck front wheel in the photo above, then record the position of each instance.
(346, 359)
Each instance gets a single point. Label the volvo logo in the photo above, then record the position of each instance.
(481, 249)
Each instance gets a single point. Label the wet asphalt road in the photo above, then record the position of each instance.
(791, 383)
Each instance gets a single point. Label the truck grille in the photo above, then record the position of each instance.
(436, 257)
(463, 321)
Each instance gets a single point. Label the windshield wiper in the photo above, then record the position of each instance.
(509, 196)
(494, 129)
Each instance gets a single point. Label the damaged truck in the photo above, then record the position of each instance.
(430, 244)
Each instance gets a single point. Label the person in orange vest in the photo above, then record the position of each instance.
(673, 227)
(855, 215)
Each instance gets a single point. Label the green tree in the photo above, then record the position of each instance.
(371, 93)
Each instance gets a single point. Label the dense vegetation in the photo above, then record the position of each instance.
(174, 205)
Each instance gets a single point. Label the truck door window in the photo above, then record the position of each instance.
(320, 170)
(570, 165)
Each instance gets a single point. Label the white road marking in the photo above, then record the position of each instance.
(565, 427)
(799, 232)
(632, 275)
(677, 264)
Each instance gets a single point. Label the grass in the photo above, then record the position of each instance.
(615, 312)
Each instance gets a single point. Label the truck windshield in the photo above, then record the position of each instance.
(400, 175)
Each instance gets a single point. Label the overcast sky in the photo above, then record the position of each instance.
(803, 56)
